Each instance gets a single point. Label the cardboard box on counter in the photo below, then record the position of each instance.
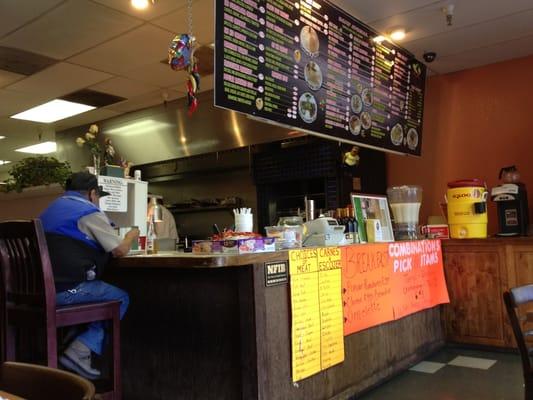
(440, 231)
(233, 246)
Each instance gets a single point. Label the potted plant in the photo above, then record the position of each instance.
(37, 171)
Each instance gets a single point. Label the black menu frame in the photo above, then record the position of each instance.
(310, 66)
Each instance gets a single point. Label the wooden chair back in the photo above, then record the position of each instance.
(516, 302)
(32, 381)
(27, 291)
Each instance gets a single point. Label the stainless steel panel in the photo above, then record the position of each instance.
(166, 132)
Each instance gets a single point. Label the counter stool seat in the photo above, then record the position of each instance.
(30, 381)
(28, 298)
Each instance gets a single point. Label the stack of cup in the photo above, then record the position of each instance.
(244, 220)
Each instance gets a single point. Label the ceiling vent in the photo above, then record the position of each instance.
(23, 62)
(92, 98)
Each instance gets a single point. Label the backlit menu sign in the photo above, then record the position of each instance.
(309, 65)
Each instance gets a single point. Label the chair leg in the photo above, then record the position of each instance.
(51, 346)
(117, 382)
(528, 389)
(11, 343)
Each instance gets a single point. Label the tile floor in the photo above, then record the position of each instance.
(457, 374)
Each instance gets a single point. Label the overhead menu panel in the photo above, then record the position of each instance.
(309, 65)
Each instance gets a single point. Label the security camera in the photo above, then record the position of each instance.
(429, 56)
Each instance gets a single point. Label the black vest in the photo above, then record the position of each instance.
(73, 261)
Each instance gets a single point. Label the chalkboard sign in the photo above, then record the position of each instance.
(309, 65)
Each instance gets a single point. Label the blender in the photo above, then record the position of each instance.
(405, 203)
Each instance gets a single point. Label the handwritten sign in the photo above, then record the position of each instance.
(303, 268)
(367, 295)
(383, 282)
(330, 299)
(418, 276)
(117, 201)
(317, 332)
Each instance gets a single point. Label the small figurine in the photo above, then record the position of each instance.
(109, 154)
(351, 158)
(127, 166)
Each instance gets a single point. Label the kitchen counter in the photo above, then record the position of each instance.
(207, 327)
(176, 259)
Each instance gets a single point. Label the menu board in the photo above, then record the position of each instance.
(309, 65)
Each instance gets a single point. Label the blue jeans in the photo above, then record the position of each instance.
(93, 292)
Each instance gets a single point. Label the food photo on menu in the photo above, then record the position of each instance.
(307, 107)
(309, 41)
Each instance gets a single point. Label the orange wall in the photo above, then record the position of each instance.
(475, 122)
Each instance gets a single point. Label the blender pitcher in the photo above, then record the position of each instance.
(405, 203)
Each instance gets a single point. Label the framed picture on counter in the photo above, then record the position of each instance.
(373, 218)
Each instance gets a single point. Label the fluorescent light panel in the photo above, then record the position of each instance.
(4, 162)
(2, 137)
(53, 111)
(40, 148)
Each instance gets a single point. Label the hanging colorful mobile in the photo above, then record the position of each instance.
(181, 57)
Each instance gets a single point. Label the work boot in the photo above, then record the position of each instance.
(77, 358)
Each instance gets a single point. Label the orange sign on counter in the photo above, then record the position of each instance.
(367, 296)
(417, 276)
(387, 281)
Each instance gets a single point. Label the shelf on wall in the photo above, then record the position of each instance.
(201, 209)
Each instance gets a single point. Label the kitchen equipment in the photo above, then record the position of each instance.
(323, 231)
(467, 209)
(405, 203)
(511, 200)
(287, 236)
(309, 209)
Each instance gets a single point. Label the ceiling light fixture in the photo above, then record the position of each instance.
(53, 111)
(141, 4)
(397, 35)
(2, 137)
(40, 148)
(4, 162)
(448, 11)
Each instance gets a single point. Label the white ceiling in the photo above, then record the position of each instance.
(108, 46)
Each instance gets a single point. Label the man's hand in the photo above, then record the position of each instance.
(124, 247)
(133, 233)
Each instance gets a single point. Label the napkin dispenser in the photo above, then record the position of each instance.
(323, 231)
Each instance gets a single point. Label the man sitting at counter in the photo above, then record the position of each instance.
(80, 239)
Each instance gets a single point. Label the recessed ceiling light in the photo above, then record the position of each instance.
(4, 162)
(2, 137)
(140, 4)
(398, 34)
(53, 111)
(40, 148)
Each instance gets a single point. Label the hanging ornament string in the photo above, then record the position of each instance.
(193, 85)
(181, 57)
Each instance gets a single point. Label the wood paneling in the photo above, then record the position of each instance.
(477, 274)
(475, 312)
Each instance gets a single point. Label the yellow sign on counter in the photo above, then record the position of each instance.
(316, 302)
(330, 300)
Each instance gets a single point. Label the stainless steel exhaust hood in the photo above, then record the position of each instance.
(165, 132)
